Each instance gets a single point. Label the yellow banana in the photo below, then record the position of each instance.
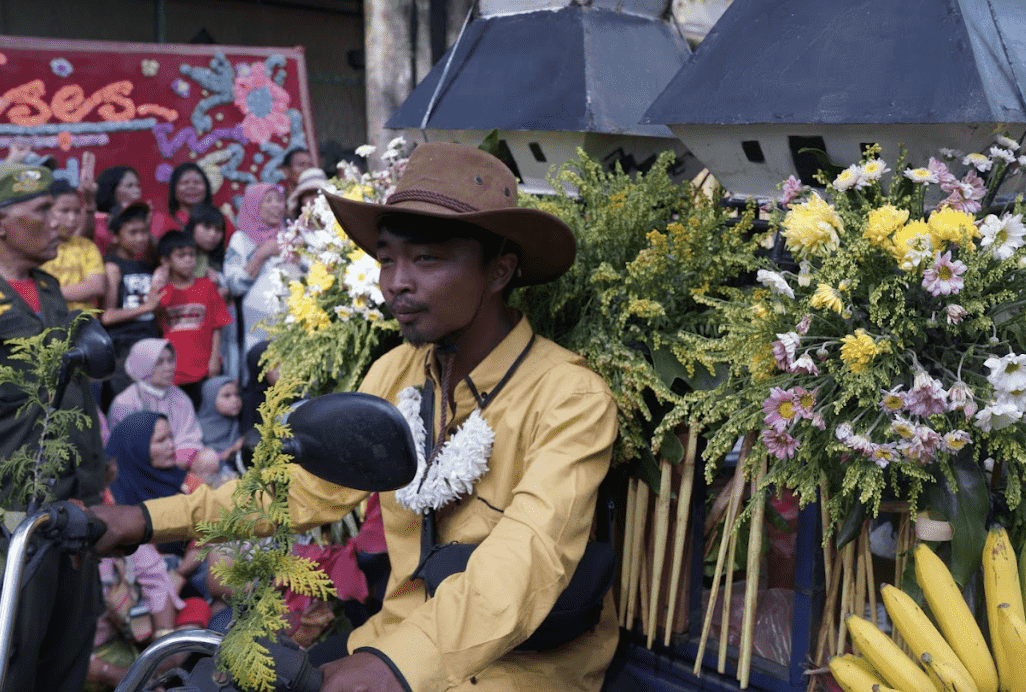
(955, 620)
(921, 636)
(852, 676)
(1013, 636)
(947, 676)
(864, 665)
(1001, 585)
(897, 669)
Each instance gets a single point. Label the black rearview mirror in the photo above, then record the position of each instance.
(92, 350)
(353, 439)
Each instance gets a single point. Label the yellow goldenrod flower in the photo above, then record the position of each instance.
(858, 350)
(645, 308)
(826, 296)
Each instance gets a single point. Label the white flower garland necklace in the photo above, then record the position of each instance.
(462, 460)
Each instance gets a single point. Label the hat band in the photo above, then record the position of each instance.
(418, 195)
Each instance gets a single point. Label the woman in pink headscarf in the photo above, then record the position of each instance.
(253, 256)
(151, 365)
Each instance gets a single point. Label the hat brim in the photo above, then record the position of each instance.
(547, 245)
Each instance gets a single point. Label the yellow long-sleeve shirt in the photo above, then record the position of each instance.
(531, 513)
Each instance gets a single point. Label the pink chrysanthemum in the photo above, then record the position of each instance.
(779, 443)
(779, 408)
(963, 195)
(784, 350)
(944, 276)
(927, 397)
(883, 455)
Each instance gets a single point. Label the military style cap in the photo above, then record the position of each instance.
(19, 182)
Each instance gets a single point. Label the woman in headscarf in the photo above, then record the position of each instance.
(253, 257)
(144, 448)
(151, 365)
(219, 419)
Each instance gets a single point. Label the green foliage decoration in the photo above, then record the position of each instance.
(651, 254)
(890, 344)
(255, 570)
(33, 368)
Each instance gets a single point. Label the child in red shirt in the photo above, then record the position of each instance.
(194, 315)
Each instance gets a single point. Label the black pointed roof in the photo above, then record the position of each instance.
(856, 61)
(573, 69)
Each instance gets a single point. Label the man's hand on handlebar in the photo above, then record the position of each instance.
(359, 672)
(125, 527)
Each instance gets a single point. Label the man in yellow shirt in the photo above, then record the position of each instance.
(528, 429)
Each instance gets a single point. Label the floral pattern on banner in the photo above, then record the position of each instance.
(264, 104)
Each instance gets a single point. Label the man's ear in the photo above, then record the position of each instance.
(503, 269)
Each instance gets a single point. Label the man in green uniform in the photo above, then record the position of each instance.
(60, 599)
(528, 429)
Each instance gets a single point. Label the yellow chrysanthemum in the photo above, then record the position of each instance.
(826, 296)
(319, 279)
(811, 229)
(906, 236)
(951, 226)
(882, 223)
(763, 366)
(858, 350)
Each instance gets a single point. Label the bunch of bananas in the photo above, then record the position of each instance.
(952, 656)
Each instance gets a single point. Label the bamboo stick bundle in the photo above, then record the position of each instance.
(628, 549)
(637, 544)
(752, 576)
(871, 585)
(728, 589)
(825, 641)
(824, 513)
(687, 481)
(847, 595)
(859, 601)
(643, 595)
(731, 514)
(662, 527)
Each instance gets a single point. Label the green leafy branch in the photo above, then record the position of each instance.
(256, 569)
(32, 368)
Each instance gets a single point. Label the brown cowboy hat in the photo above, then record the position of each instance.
(454, 181)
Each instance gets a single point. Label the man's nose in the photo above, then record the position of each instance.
(398, 280)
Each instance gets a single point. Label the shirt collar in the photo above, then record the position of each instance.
(490, 371)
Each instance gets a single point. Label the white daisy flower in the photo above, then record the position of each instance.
(848, 178)
(923, 176)
(1007, 142)
(978, 161)
(775, 282)
(997, 416)
(365, 150)
(1007, 373)
(1003, 236)
(1004, 154)
(950, 153)
(874, 169)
